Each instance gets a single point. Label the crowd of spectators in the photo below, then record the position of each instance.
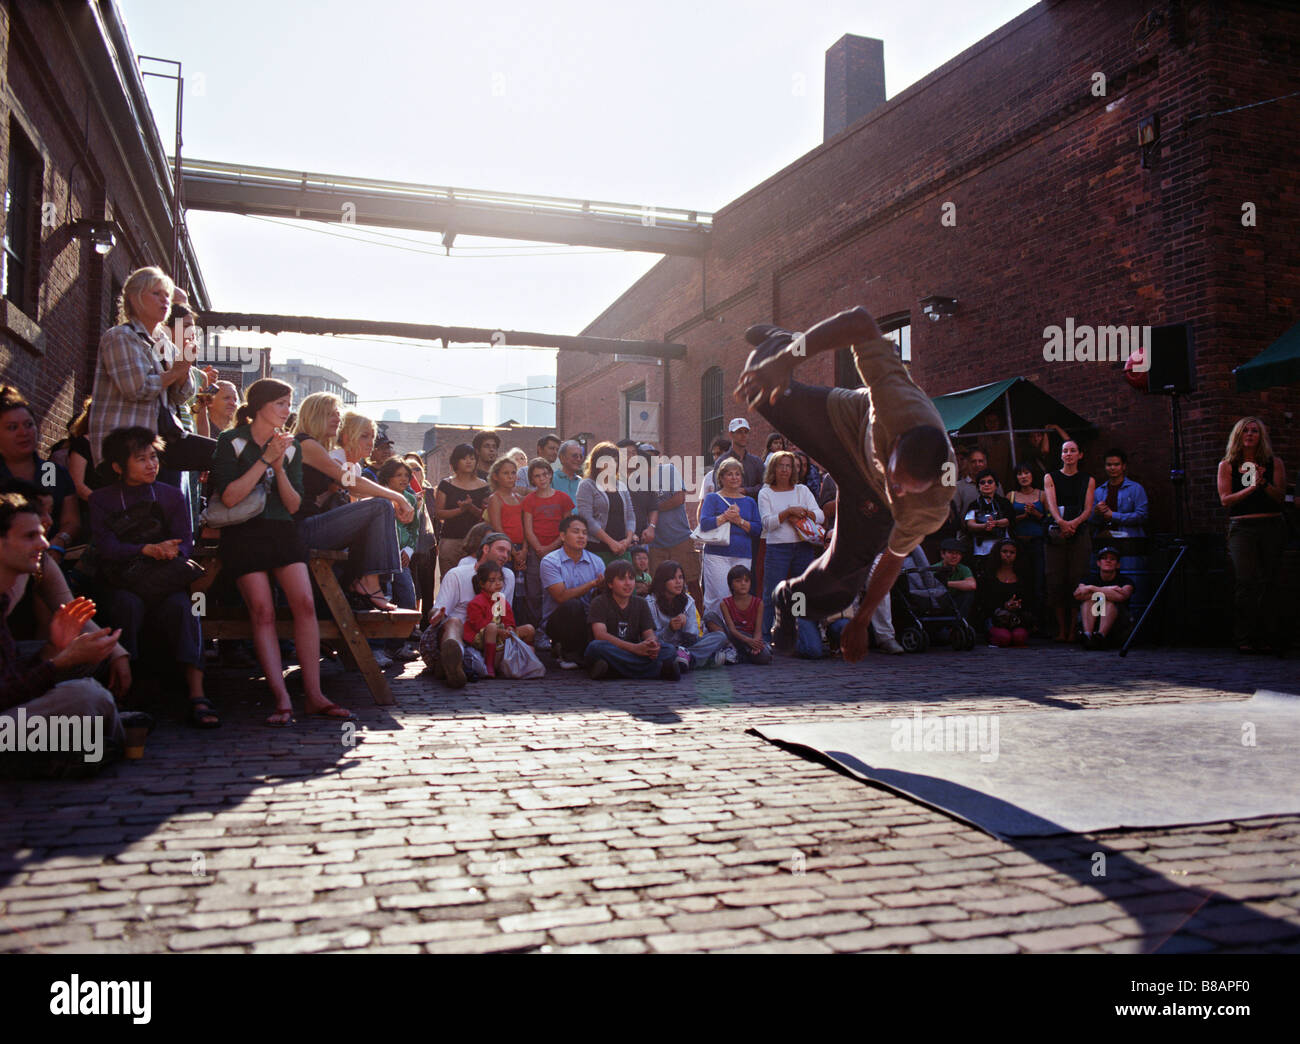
(601, 557)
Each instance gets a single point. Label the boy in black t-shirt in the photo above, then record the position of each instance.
(623, 633)
(1103, 593)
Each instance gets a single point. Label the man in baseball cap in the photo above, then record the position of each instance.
(739, 431)
(1103, 594)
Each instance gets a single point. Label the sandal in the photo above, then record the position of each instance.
(333, 712)
(364, 601)
(280, 719)
(203, 715)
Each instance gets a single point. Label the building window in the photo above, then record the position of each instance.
(897, 328)
(632, 395)
(22, 208)
(710, 407)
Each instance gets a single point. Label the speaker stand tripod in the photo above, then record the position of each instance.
(1178, 478)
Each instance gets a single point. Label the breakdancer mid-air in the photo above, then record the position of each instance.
(884, 444)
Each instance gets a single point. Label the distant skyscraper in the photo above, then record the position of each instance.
(460, 411)
(541, 400)
(512, 403)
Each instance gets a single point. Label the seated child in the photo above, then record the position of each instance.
(489, 617)
(742, 616)
(675, 620)
(623, 633)
(958, 577)
(641, 562)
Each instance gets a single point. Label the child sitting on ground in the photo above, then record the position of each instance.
(641, 565)
(958, 577)
(742, 614)
(489, 618)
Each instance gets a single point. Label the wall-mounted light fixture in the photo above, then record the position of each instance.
(102, 234)
(936, 306)
(1148, 137)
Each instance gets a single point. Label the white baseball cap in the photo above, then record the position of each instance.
(737, 424)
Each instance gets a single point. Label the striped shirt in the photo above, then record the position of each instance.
(128, 390)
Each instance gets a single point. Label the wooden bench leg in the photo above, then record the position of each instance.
(356, 645)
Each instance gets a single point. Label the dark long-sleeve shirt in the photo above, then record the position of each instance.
(114, 499)
(21, 680)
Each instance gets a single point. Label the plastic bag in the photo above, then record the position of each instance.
(519, 661)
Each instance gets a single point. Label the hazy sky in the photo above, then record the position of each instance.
(673, 104)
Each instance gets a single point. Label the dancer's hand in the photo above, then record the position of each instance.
(768, 380)
(855, 639)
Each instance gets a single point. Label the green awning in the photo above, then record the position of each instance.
(960, 408)
(1031, 407)
(1279, 363)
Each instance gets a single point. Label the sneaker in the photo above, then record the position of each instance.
(568, 665)
(597, 670)
(406, 654)
(453, 663)
(892, 647)
(382, 659)
(542, 641)
(730, 655)
(720, 657)
(671, 671)
(684, 659)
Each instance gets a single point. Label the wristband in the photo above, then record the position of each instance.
(60, 550)
(266, 462)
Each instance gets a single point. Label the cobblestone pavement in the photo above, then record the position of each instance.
(623, 817)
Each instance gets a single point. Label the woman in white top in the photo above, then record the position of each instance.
(780, 504)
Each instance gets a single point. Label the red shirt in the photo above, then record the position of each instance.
(479, 614)
(744, 621)
(547, 514)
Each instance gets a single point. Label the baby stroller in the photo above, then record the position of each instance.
(923, 608)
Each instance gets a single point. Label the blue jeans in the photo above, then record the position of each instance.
(403, 593)
(704, 647)
(782, 561)
(630, 665)
(366, 529)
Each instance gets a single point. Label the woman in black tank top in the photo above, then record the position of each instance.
(1252, 486)
(1068, 493)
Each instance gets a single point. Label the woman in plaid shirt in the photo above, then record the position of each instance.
(140, 374)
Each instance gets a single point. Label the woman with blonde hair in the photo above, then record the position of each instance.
(141, 377)
(1252, 486)
(342, 508)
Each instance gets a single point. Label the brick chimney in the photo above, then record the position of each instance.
(855, 82)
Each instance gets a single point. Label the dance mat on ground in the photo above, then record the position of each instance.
(1038, 773)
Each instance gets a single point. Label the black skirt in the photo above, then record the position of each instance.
(260, 545)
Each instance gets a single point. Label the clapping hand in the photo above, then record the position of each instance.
(87, 649)
(678, 622)
(273, 452)
(67, 623)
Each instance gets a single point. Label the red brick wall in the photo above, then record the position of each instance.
(84, 176)
(1054, 218)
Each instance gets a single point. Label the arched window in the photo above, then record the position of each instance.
(710, 407)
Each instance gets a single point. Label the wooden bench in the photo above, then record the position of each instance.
(345, 628)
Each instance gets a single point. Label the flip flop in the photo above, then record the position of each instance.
(270, 724)
(328, 713)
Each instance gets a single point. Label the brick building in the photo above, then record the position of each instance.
(1053, 215)
(79, 148)
(440, 439)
